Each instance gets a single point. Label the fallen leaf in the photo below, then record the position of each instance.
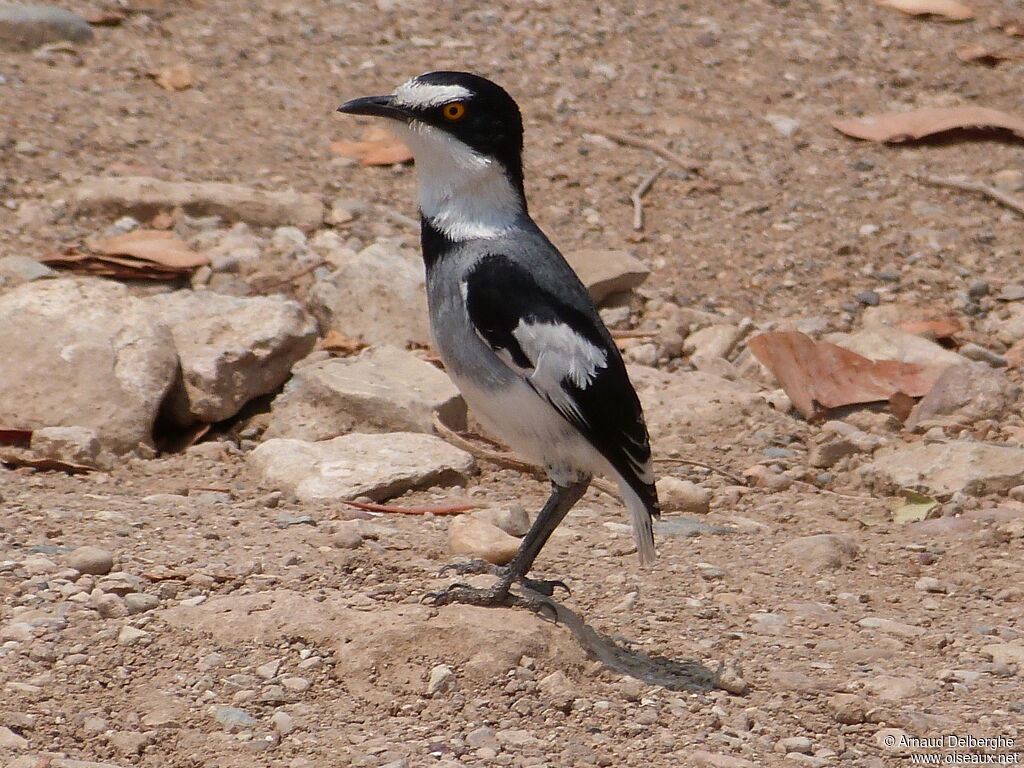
(927, 121)
(377, 147)
(947, 10)
(176, 77)
(936, 328)
(980, 54)
(340, 344)
(14, 436)
(816, 372)
(912, 507)
(22, 458)
(164, 249)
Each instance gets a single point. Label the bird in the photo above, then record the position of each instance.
(516, 329)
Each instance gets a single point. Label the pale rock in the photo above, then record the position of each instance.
(848, 708)
(513, 520)
(885, 343)
(15, 270)
(442, 679)
(91, 560)
(10, 740)
(383, 389)
(73, 445)
(823, 551)
(478, 538)
(974, 468)
(129, 635)
(1010, 654)
(346, 467)
(799, 744)
(714, 341)
(283, 722)
(144, 197)
(678, 495)
(378, 296)
(140, 602)
(607, 272)
(964, 394)
(90, 355)
(24, 27)
(231, 349)
(890, 626)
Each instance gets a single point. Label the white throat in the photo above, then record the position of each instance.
(462, 193)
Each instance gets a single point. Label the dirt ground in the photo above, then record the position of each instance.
(764, 225)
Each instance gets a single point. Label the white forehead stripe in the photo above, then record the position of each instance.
(423, 95)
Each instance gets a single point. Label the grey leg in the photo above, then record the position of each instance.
(561, 500)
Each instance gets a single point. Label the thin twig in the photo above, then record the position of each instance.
(967, 185)
(637, 196)
(633, 334)
(694, 463)
(629, 140)
(454, 510)
(507, 460)
(288, 280)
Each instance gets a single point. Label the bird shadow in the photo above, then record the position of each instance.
(675, 674)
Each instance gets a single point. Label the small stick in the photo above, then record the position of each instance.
(288, 280)
(413, 510)
(694, 463)
(637, 196)
(633, 334)
(638, 143)
(507, 460)
(967, 185)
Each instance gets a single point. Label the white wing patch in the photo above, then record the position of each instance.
(559, 354)
(419, 95)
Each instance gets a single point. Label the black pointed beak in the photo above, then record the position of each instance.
(377, 106)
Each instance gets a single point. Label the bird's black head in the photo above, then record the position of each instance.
(467, 107)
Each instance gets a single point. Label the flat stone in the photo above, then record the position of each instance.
(384, 389)
(946, 468)
(965, 394)
(15, 270)
(92, 560)
(678, 495)
(74, 445)
(89, 355)
(478, 538)
(24, 27)
(379, 296)
(144, 197)
(607, 272)
(231, 349)
(824, 551)
(1010, 654)
(346, 467)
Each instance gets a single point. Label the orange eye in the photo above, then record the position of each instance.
(454, 111)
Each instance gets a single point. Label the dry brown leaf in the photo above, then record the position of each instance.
(378, 146)
(918, 123)
(936, 327)
(816, 372)
(164, 249)
(947, 10)
(340, 344)
(176, 77)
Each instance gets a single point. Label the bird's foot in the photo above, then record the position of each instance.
(463, 593)
(544, 587)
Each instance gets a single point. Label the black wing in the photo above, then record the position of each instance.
(561, 348)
